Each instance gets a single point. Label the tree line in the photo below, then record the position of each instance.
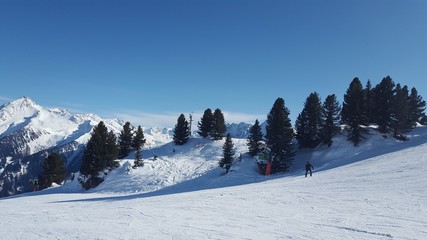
(388, 107)
(391, 108)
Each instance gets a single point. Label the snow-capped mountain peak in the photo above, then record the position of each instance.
(16, 111)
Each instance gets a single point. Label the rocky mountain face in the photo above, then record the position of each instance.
(29, 132)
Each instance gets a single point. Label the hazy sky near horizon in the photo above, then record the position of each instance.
(148, 61)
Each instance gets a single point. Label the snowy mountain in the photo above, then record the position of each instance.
(373, 191)
(27, 128)
(29, 131)
(238, 130)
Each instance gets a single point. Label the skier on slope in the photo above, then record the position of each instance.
(308, 168)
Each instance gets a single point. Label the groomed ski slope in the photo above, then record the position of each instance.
(375, 191)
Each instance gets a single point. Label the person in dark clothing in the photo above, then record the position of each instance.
(308, 168)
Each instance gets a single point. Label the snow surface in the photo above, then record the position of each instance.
(374, 191)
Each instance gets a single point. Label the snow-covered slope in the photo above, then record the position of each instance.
(374, 191)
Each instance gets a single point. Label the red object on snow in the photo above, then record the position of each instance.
(268, 169)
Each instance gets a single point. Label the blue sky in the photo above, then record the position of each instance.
(148, 61)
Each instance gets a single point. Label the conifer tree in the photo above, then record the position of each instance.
(352, 111)
(181, 131)
(330, 119)
(255, 136)
(308, 123)
(369, 105)
(417, 106)
(279, 136)
(53, 171)
(218, 126)
(99, 156)
(137, 143)
(113, 151)
(384, 94)
(206, 123)
(228, 153)
(400, 112)
(125, 140)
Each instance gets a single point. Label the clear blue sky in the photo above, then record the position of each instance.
(144, 59)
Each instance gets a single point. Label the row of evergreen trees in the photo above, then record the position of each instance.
(211, 125)
(388, 105)
(103, 150)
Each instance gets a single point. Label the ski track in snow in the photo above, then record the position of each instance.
(375, 191)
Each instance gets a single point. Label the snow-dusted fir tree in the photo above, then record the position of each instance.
(218, 126)
(206, 123)
(182, 131)
(279, 136)
(308, 123)
(125, 140)
(228, 153)
(330, 119)
(137, 144)
(254, 138)
(99, 156)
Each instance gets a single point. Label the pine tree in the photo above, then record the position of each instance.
(330, 119)
(255, 136)
(206, 123)
(352, 111)
(218, 126)
(125, 140)
(308, 123)
(400, 112)
(417, 107)
(137, 143)
(54, 171)
(112, 154)
(182, 131)
(279, 136)
(301, 126)
(384, 94)
(100, 155)
(369, 104)
(228, 153)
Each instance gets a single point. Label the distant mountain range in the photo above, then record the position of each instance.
(28, 132)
